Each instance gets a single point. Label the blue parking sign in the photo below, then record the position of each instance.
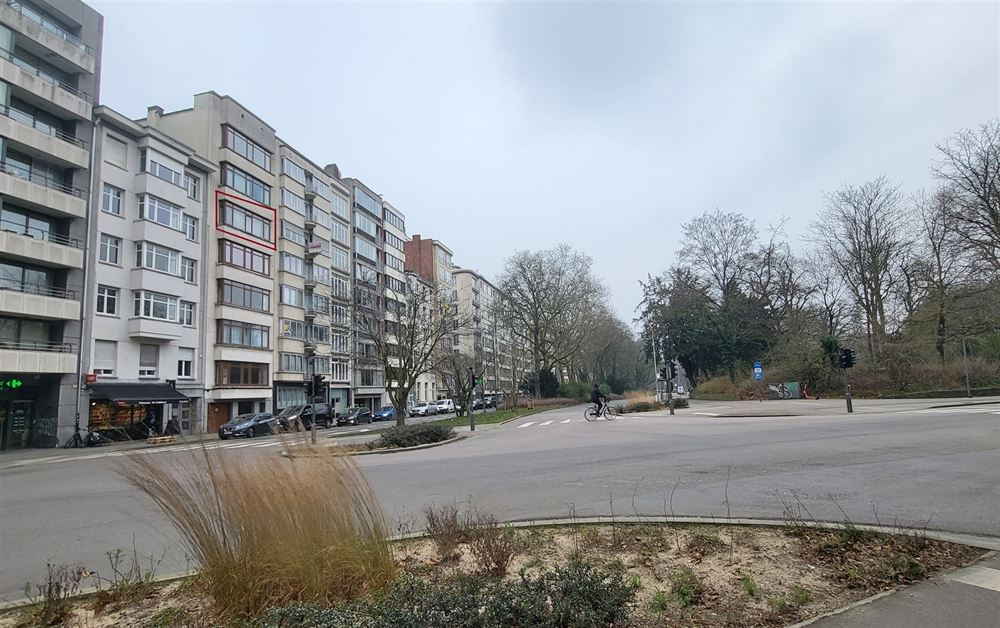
(758, 371)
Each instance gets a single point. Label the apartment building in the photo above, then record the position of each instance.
(476, 297)
(341, 235)
(145, 353)
(431, 261)
(425, 387)
(394, 272)
(50, 66)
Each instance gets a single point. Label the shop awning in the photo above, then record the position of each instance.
(137, 393)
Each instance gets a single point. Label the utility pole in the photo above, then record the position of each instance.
(846, 362)
(965, 359)
(670, 379)
(472, 387)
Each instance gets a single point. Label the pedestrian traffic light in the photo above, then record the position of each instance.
(846, 358)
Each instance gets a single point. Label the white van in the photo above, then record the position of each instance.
(445, 405)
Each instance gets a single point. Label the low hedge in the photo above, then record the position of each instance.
(573, 595)
(413, 435)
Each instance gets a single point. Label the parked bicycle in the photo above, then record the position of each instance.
(609, 412)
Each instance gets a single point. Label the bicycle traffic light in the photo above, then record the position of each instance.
(846, 358)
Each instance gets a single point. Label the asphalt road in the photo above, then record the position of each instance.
(939, 468)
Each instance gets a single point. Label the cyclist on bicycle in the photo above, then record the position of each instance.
(596, 396)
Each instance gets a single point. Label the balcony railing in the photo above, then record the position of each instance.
(49, 25)
(39, 234)
(29, 287)
(31, 121)
(45, 76)
(40, 178)
(19, 344)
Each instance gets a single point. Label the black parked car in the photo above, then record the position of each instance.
(301, 417)
(356, 416)
(250, 425)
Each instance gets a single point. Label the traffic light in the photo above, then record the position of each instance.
(846, 358)
(317, 384)
(662, 375)
(673, 370)
(308, 385)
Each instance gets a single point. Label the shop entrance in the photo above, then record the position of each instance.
(16, 418)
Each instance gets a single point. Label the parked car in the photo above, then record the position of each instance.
(250, 425)
(478, 404)
(424, 408)
(301, 417)
(385, 413)
(490, 401)
(445, 406)
(355, 416)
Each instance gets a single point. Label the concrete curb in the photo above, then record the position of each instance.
(392, 450)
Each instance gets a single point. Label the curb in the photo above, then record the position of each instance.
(392, 450)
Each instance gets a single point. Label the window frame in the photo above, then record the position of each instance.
(105, 295)
(108, 198)
(108, 243)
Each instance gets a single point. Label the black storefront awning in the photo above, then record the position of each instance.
(137, 393)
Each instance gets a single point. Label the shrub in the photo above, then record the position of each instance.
(909, 567)
(279, 531)
(749, 586)
(779, 605)
(659, 602)
(574, 390)
(640, 406)
(51, 605)
(681, 403)
(413, 435)
(128, 580)
(686, 585)
(446, 528)
(493, 546)
(800, 596)
(721, 385)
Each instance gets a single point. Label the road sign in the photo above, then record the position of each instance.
(758, 371)
(13, 383)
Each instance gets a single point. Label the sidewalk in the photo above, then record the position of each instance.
(830, 406)
(968, 597)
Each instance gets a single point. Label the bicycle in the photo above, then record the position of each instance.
(608, 412)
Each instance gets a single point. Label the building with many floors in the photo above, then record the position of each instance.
(50, 67)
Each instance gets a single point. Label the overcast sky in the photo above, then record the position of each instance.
(495, 127)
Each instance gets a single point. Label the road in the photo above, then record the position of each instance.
(910, 467)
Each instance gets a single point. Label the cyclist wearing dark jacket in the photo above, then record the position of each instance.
(596, 396)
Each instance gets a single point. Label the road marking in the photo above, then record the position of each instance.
(566, 421)
(265, 445)
(528, 424)
(978, 576)
(546, 423)
(706, 413)
(365, 429)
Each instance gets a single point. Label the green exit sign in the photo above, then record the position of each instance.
(13, 383)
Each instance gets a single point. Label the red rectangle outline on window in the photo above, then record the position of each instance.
(273, 245)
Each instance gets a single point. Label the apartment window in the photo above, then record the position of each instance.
(395, 220)
(321, 365)
(365, 224)
(245, 220)
(395, 284)
(160, 211)
(292, 362)
(240, 334)
(318, 302)
(338, 342)
(340, 287)
(191, 184)
(107, 300)
(293, 201)
(318, 274)
(148, 163)
(240, 256)
(105, 357)
(394, 262)
(241, 145)
(244, 295)
(340, 206)
(293, 329)
(291, 295)
(339, 233)
(185, 363)
(364, 200)
(187, 313)
(292, 233)
(189, 270)
(293, 264)
(340, 259)
(110, 248)
(241, 374)
(319, 333)
(111, 200)
(318, 187)
(148, 304)
(365, 249)
(149, 360)
(338, 314)
(155, 257)
(246, 184)
(393, 241)
(318, 216)
(338, 370)
(189, 225)
(370, 377)
(115, 151)
(293, 170)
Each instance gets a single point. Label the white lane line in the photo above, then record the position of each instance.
(365, 429)
(546, 423)
(240, 446)
(706, 413)
(566, 421)
(978, 576)
(528, 424)
(265, 445)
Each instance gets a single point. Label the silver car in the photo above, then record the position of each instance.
(423, 408)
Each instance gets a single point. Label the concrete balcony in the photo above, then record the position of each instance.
(41, 86)
(148, 328)
(73, 53)
(146, 183)
(36, 301)
(39, 191)
(41, 138)
(46, 249)
(31, 357)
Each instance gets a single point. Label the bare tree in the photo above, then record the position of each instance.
(402, 335)
(863, 232)
(550, 297)
(830, 294)
(970, 168)
(718, 247)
